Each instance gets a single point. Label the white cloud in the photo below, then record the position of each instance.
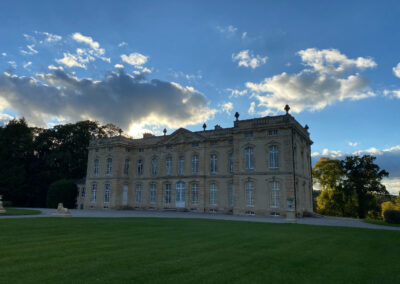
(13, 64)
(353, 144)
(50, 38)
(325, 82)
(190, 77)
(88, 40)
(244, 35)
(135, 59)
(71, 60)
(27, 64)
(236, 93)
(392, 185)
(119, 66)
(4, 54)
(52, 67)
(396, 70)
(121, 44)
(229, 31)
(392, 93)
(4, 118)
(246, 58)
(251, 110)
(31, 50)
(227, 107)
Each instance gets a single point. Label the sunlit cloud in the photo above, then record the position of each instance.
(246, 58)
(135, 59)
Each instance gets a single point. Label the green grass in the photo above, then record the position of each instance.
(16, 211)
(380, 222)
(143, 250)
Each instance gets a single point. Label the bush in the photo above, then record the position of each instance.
(392, 216)
(388, 205)
(62, 191)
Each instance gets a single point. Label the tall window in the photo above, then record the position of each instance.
(138, 193)
(96, 168)
(181, 165)
(274, 185)
(94, 190)
(139, 167)
(126, 167)
(231, 162)
(83, 193)
(250, 194)
(168, 165)
(195, 164)
(109, 164)
(153, 193)
(195, 193)
(213, 164)
(249, 158)
(168, 193)
(213, 194)
(231, 194)
(154, 167)
(180, 193)
(273, 157)
(107, 194)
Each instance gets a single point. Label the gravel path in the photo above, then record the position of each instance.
(323, 221)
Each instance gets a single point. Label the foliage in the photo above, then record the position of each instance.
(62, 191)
(398, 201)
(388, 205)
(392, 216)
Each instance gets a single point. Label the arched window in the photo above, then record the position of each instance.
(109, 166)
(94, 191)
(195, 193)
(168, 165)
(213, 194)
(274, 186)
(96, 168)
(126, 167)
(107, 193)
(249, 194)
(154, 167)
(249, 158)
(167, 193)
(138, 193)
(140, 167)
(273, 157)
(181, 165)
(213, 163)
(195, 164)
(153, 193)
(231, 162)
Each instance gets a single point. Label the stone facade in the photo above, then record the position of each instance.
(256, 167)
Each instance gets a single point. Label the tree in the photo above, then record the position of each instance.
(363, 178)
(62, 191)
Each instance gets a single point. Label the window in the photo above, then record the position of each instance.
(213, 143)
(153, 193)
(195, 193)
(154, 167)
(273, 132)
(97, 150)
(248, 134)
(138, 193)
(273, 157)
(167, 193)
(139, 167)
(110, 149)
(181, 165)
(195, 164)
(213, 194)
(250, 213)
(169, 147)
(231, 195)
(231, 162)
(250, 194)
(126, 167)
(83, 192)
(94, 190)
(168, 165)
(107, 194)
(195, 144)
(96, 168)
(127, 150)
(109, 164)
(180, 193)
(155, 149)
(213, 164)
(141, 150)
(231, 142)
(274, 185)
(249, 158)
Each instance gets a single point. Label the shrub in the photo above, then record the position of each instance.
(62, 191)
(392, 216)
(388, 205)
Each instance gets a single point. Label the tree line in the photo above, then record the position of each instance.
(33, 158)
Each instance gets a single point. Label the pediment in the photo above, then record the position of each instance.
(183, 135)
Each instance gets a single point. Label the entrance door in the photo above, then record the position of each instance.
(125, 196)
(180, 194)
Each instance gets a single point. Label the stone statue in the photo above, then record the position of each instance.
(61, 211)
(2, 210)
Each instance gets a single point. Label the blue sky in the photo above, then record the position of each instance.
(146, 65)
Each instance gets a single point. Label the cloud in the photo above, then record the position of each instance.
(392, 185)
(135, 59)
(52, 67)
(13, 64)
(27, 64)
(325, 82)
(246, 58)
(236, 93)
(228, 31)
(392, 93)
(50, 38)
(4, 118)
(180, 74)
(227, 107)
(121, 44)
(88, 40)
(244, 35)
(31, 50)
(251, 110)
(71, 60)
(353, 144)
(119, 66)
(119, 98)
(396, 70)
(4, 54)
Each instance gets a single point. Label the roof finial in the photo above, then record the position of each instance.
(165, 131)
(306, 127)
(287, 108)
(237, 116)
(120, 131)
(204, 126)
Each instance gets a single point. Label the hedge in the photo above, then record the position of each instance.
(392, 216)
(62, 191)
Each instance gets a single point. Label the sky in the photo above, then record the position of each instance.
(150, 65)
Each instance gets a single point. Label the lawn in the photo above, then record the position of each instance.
(17, 211)
(143, 250)
(380, 222)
